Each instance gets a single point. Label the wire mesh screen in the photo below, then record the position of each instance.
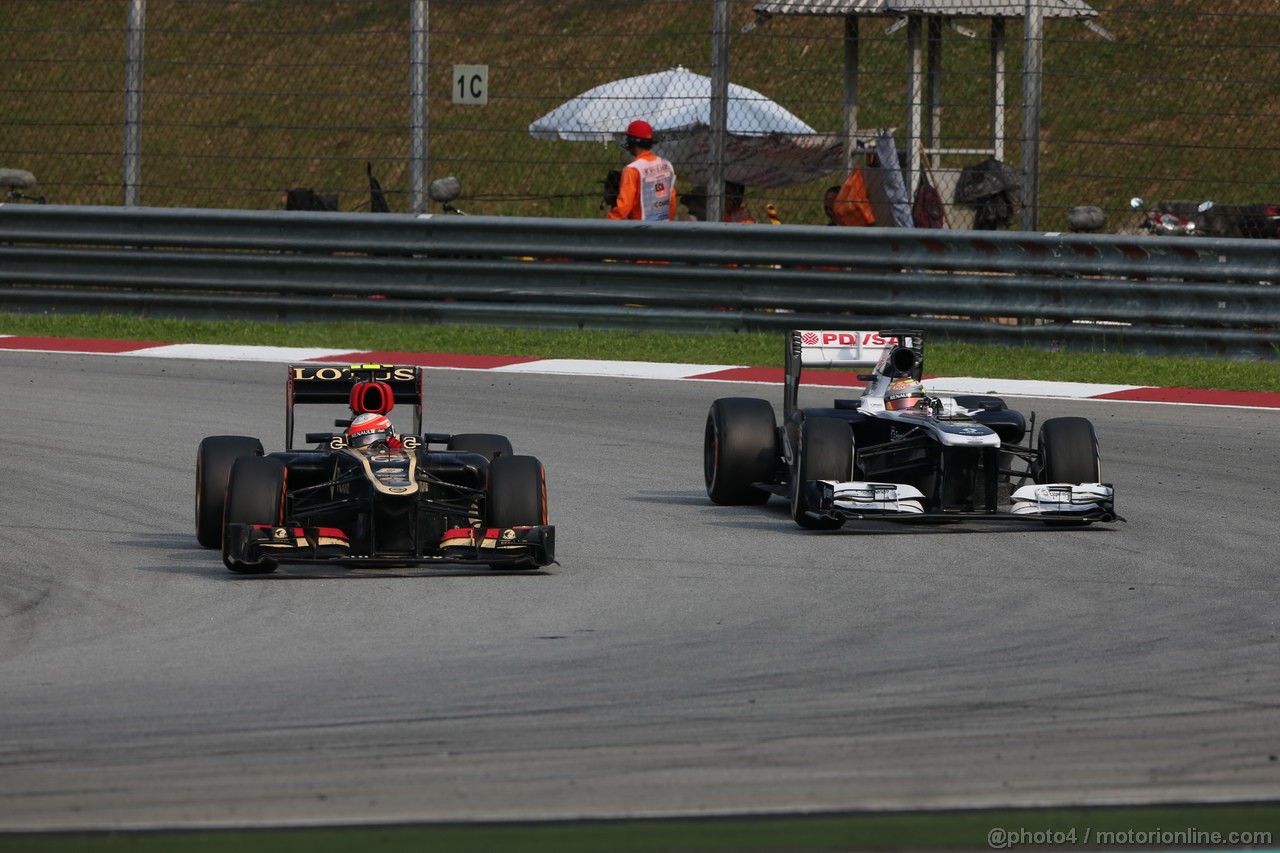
(1172, 101)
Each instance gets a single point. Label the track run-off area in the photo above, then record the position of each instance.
(682, 658)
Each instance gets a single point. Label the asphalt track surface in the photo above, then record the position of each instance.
(682, 659)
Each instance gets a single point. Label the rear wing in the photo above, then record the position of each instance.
(893, 352)
(333, 383)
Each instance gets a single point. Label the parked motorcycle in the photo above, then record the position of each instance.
(17, 180)
(1163, 223)
(1186, 219)
(1250, 221)
(1088, 218)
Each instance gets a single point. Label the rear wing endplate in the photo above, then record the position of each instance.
(332, 384)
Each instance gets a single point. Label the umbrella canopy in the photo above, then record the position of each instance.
(767, 146)
(676, 99)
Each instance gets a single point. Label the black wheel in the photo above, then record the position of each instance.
(213, 465)
(255, 495)
(517, 492)
(516, 497)
(823, 451)
(485, 444)
(1068, 451)
(739, 449)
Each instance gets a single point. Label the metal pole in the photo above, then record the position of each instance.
(419, 19)
(997, 88)
(916, 88)
(851, 61)
(1031, 89)
(933, 84)
(719, 110)
(132, 163)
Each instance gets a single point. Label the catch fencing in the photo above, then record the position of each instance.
(228, 104)
(1103, 293)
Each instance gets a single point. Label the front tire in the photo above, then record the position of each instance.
(823, 451)
(516, 497)
(255, 495)
(739, 449)
(1068, 454)
(214, 458)
(1069, 451)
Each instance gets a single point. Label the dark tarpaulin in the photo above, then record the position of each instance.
(377, 199)
(994, 189)
(305, 198)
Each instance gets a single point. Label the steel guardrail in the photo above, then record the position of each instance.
(1156, 295)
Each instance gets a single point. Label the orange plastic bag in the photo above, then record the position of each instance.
(853, 206)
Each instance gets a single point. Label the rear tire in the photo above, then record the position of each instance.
(740, 449)
(1068, 451)
(255, 495)
(213, 465)
(486, 444)
(824, 451)
(516, 497)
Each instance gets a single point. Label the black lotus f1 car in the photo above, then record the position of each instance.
(948, 459)
(420, 498)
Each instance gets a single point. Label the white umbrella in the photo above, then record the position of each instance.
(767, 145)
(676, 99)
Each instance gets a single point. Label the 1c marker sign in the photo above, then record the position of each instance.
(471, 84)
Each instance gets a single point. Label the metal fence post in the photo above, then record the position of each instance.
(719, 110)
(133, 80)
(419, 19)
(1033, 46)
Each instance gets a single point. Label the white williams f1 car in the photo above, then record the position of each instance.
(897, 453)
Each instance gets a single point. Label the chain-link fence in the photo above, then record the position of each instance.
(234, 103)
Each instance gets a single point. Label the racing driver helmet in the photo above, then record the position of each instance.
(906, 395)
(368, 429)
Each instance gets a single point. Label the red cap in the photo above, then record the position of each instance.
(640, 130)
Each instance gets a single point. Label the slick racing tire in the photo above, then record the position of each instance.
(213, 466)
(516, 497)
(1068, 451)
(485, 444)
(255, 495)
(739, 449)
(1068, 454)
(824, 451)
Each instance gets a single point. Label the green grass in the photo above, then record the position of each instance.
(751, 349)
(1075, 828)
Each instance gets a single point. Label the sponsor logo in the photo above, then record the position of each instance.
(410, 442)
(378, 373)
(845, 339)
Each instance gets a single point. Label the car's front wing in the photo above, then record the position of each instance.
(255, 543)
(1082, 502)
